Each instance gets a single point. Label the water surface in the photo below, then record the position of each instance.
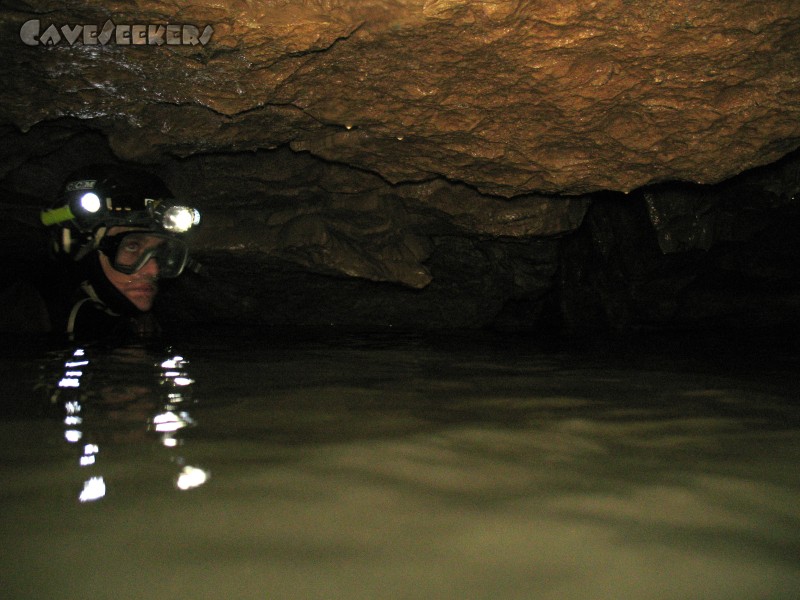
(401, 467)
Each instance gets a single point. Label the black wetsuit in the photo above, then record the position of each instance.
(98, 311)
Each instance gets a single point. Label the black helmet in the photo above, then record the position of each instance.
(97, 198)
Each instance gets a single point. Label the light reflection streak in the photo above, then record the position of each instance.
(93, 489)
(176, 362)
(191, 477)
(95, 411)
(89, 455)
(170, 421)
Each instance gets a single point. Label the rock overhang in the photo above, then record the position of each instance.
(509, 98)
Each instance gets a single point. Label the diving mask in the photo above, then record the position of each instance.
(129, 251)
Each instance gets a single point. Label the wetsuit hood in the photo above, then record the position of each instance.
(113, 299)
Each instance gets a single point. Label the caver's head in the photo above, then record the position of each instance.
(123, 226)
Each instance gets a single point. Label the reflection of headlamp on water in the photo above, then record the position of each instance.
(111, 399)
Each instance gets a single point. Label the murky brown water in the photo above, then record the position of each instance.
(401, 468)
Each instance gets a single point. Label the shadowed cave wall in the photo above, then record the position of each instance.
(293, 241)
(531, 167)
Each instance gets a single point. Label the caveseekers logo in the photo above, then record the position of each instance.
(32, 33)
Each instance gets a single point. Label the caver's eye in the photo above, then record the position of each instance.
(132, 246)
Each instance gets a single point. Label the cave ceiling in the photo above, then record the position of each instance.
(508, 98)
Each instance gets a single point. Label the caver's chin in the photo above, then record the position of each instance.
(141, 294)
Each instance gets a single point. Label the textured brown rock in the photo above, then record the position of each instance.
(334, 221)
(511, 98)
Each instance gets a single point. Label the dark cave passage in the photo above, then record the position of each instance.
(289, 241)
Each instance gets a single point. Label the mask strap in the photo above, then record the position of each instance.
(66, 240)
(98, 235)
(95, 241)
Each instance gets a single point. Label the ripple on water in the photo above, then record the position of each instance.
(414, 470)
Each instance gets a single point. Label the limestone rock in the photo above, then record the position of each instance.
(510, 98)
(334, 221)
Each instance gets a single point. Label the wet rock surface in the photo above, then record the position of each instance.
(411, 165)
(509, 98)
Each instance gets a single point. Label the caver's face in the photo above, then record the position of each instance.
(140, 287)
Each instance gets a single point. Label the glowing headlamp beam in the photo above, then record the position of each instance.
(90, 202)
(180, 219)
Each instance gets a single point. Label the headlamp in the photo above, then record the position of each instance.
(177, 219)
(83, 208)
(87, 211)
(90, 202)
